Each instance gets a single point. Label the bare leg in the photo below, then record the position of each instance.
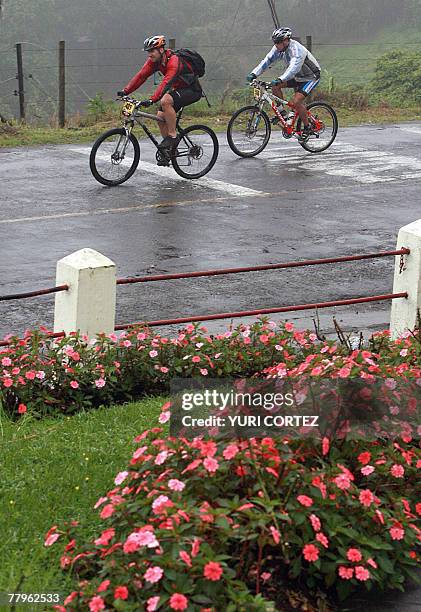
(167, 105)
(162, 126)
(298, 101)
(277, 91)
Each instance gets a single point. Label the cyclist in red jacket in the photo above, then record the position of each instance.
(174, 92)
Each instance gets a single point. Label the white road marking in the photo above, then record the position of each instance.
(414, 130)
(362, 165)
(169, 173)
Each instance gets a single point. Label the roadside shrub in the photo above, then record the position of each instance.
(398, 76)
(208, 525)
(44, 375)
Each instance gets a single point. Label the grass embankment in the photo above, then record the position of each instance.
(56, 469)
(26, 135)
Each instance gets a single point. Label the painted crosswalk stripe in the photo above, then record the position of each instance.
(169, 173)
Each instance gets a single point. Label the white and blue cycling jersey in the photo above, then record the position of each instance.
(301, 65)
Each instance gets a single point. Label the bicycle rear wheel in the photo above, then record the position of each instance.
(248, 131)
(114, 157)
(196, 153)
(325, 127)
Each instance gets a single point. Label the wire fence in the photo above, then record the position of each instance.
(103, 70)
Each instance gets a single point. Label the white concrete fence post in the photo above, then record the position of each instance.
(404, 315)
(89, 304)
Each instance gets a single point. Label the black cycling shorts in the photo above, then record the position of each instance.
(185, 96)
(303, 87)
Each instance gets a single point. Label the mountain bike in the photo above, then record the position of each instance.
(249, 128)
(115, 155)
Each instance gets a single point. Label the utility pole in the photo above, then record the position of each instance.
(273, 12)
(19, 77)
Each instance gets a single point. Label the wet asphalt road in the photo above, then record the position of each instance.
(284, 205)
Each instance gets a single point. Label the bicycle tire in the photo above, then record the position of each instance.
(92, 158)
(266, 139)
(335, 127)
(195, 175)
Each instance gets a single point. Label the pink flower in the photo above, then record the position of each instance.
(160, 503)
(40, 375)
(137, 539)
(345, 572)
(184, 556)
(164, 369)
(364, 458)
(176, 485)
(212, 571)
(121, 477)
(96, 604)
(361, 573)
(354, 555)
(315, 522)
(7, 382)
(152, 603)
(203, 371)
(310, 552)
(164, 417)
(366, 498)
(51, 539)
(344, 372)
(196, 359)
(127, 343)
(367, 470)
(153, 354)
(154, 574)
(396, 533)
(325, 446)
(210, 464)
(105, 537)
(265, 576)
(100, 383)
(304, 500)
(22, 408)
(320, 537)
(121, 592)
(178, 602)
(342, 482)
(161, 457)
(75, 385)
(30, 375)
(195, 547)
(289, 327)
(230, 451)
(6, 361)
(397, 471)
(275, 534)
(372, 563)
(107, 511)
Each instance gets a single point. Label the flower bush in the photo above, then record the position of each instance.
(46, 375)
(211, 525)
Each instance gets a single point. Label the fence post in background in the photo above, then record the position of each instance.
(171, 43)
(405, 312)
(19, 77)
(89, 303)
(309, 43)
(61, 84)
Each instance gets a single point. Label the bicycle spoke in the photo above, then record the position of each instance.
(114, 156)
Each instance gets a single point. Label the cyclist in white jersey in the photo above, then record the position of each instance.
(302, 72)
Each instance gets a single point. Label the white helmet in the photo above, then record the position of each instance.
(154, 42)
(281, 34)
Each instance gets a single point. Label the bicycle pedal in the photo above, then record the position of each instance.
(163, 162)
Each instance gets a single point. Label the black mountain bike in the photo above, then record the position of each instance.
(116, 154)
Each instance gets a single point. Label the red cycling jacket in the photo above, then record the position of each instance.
(171, 71)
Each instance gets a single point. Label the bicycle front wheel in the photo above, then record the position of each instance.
(114, 157)
(324, 123)
(248, 131)
(197, 152)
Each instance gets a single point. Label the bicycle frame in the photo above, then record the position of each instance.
(289, 127)
(137, 115)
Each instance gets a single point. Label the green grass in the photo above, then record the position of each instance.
(55, 469)
(37, 136)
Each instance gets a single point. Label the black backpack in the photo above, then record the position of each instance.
(195, 60)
